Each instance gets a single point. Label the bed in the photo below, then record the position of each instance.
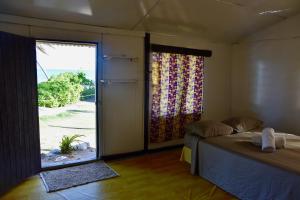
(240, 168)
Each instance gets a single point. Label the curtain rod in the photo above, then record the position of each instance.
(180, 50)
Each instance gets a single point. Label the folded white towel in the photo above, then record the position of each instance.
(280, 140)
(268, 140)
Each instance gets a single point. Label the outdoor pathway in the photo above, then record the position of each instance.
(79, 118)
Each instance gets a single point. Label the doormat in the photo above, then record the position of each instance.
(60, 179)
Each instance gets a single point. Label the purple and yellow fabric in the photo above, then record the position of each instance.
(177, 85)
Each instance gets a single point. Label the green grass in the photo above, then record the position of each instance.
(59, 116)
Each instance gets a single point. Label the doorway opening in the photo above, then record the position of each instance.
(66, 75)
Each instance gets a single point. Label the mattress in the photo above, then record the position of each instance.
(240, 168)
(287, 158)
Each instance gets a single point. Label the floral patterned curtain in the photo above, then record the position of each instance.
(177, 83)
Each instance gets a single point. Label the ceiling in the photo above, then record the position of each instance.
(222, 20)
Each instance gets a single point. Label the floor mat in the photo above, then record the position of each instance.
(60, 179)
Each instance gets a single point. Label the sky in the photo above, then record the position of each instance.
(67, 57)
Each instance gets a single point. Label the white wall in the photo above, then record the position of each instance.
(217, 76)
(123, 99)
(266, 76)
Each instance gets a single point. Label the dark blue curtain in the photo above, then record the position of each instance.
(19, 131)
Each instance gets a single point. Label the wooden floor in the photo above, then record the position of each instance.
(153, 176)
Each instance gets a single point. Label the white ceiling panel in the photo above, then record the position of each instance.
(108, 13)
(225, 20)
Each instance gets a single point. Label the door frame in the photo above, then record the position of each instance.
(98, 113)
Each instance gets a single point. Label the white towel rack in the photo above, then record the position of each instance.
(119, 82)
(120, 57)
